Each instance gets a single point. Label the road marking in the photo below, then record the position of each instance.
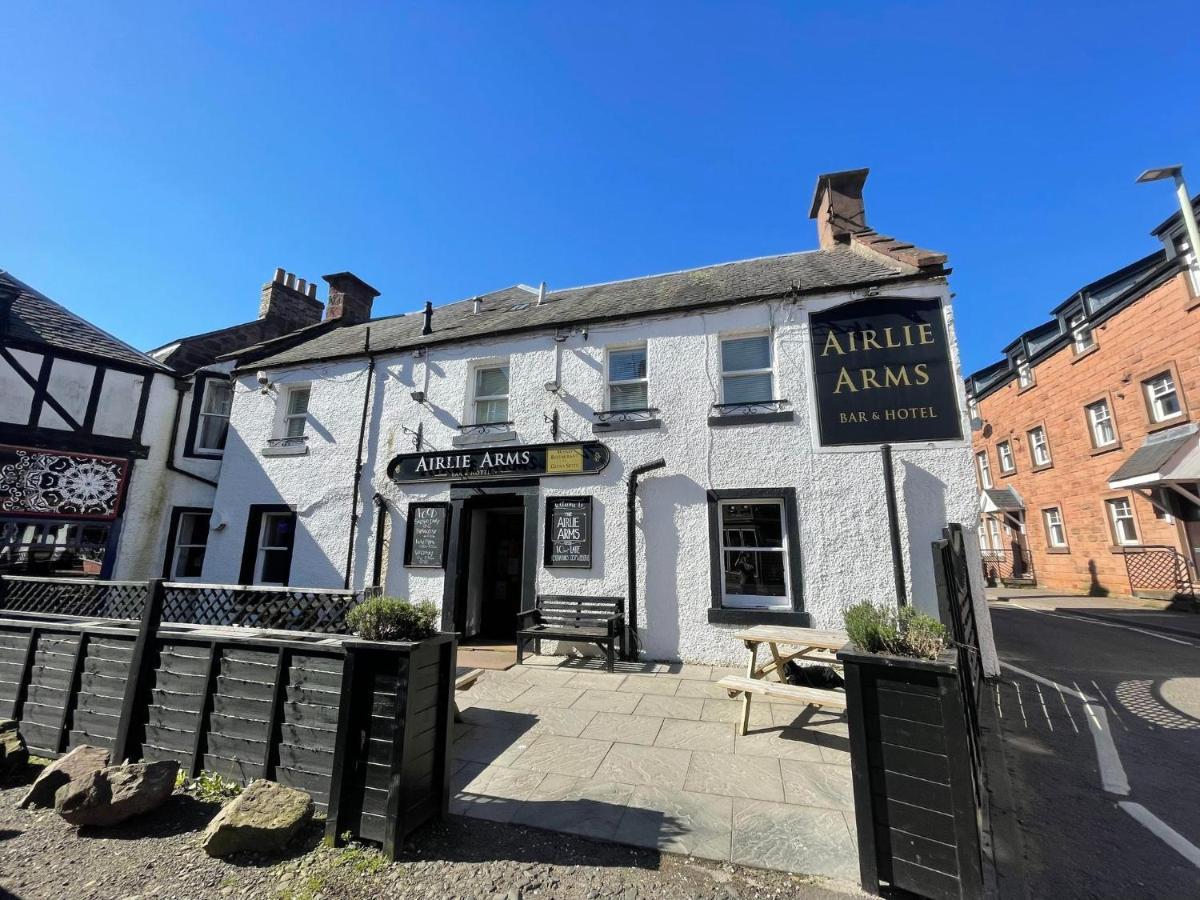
(1091, 621)
(1113, 709)
(1020, 703)
(1161, 829)
(1112, 773)
(1045, 712)
(999, 708)
(1063, 700)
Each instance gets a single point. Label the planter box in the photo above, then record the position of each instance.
(391, 766)
(916, 795)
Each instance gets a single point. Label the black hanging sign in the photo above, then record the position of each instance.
(568, 532)
(425, 538)
(883, 373)
(520, 461)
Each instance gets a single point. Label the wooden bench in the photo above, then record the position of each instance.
(463, 679)
(587, 620)
(740, 684)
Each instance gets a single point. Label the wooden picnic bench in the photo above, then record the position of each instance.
(588, 620)
(463, 679)
(807, 644)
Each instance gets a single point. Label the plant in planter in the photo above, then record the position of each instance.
(915, 796)
(393, 619)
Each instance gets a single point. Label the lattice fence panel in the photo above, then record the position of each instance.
(293, 609)
(73, 597)
(1158, 569)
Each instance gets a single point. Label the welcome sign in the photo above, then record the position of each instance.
(883, 373)
(521, 461)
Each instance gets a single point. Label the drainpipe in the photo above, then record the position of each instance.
(631, 618)
(380, 523)
(358, 461)
(180, 390)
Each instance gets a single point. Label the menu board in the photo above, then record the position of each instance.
(569, 532)
(425, 540)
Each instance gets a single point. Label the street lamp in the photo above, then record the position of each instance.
(1185, 202)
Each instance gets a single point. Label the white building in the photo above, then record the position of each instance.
(765, 386)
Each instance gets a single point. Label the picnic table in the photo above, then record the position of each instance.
(784, 644)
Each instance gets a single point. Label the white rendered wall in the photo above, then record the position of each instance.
(840, 497)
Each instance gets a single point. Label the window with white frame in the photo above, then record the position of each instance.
(1184, 251)
(1024, 371)
(983, 538)
(754, 553)
(746, 369)
(997, 540)
(985, 468)
(276, 535)
(1161, 397)
(1005, 454)
(191, 541)
(1101, 424)
(628, 387)
(1056, 534)
(490, 394)
(1039, 446)
(295, 414)
(1120, 514)
(1082, 338)
(212, 427)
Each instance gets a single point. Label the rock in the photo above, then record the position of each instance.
(13, 754)
(116, 793)
(264, 818)
(81, 761)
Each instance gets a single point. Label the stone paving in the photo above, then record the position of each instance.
(650, 756)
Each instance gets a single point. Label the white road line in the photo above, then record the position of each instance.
(1112, 709)
(1089, 620)
(1063, 700)
(1161, 829)
(1045, 712)
(999, 708)
(1021, 704)
(1112, 773)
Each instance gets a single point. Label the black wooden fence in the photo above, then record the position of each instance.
(364, 727)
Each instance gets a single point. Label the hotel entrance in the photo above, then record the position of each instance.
(491, 566)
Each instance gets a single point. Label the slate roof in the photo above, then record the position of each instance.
(1155, 453)
(35, 319)
(1005, 499)
(515, 309)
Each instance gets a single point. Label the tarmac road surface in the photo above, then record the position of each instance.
(1101, 734)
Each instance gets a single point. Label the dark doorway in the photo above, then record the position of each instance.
(500, 589)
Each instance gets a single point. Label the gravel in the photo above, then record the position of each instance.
(159, 855)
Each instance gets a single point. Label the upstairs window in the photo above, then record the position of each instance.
(1101, 424)
(985, 469)
(1024, 371)
(1056, 534)
(491, 395)
(295, 417)
(1162, 399)
(1005, 455)
(1082, 338)
(1039, 446)
(746, 369)
(628, 387)
(191, 541)
(213, 425)
(1120, 515)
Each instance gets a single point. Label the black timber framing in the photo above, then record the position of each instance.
(93, 404)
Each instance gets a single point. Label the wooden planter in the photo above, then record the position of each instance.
(916, 795)
(391, 767)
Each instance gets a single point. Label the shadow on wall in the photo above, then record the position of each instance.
(661, 499)
(925, 517)
(1095, 588)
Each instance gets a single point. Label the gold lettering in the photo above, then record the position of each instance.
(908, 335)
(921, 370)
(925, 330)
(888, 340)
(844, 378)
(891, 379)
(831, 342)
(868, 379)
(868, 338)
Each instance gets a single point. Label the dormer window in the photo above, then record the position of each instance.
(1082, 338)
(1024, 371)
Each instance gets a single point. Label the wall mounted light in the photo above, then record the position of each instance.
(418, 396)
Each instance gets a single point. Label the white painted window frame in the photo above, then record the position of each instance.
(1120, 510)
(756, 601)
(1083, 338)
(290, 419)
(984, 467)
(1039, 446)
(610, 382)
(209, 385)
(769, 370)
(1157, 389)
(1004, 455)
(1024, 370)
(1052, 517)
(474, 398)
(1098, 423)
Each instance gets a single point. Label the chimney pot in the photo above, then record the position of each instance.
(427, 326)
(838, 206)
(278, 279)
(290, 281)
(302, 286)
(312, 289)
(477, 304)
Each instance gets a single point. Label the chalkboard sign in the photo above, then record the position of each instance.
(569, 532)
(425, 540)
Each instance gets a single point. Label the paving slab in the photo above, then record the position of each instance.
(609, 681)
(607, 701)
(710, 690)
(806, 783)
(539, 696)
(756, 777)
(491, 792)
(623, 728)
(688, 671)
(579, 757)
(687, 734)
(650, 684)
(731, 711)
(634, 764)
(670, 707)
(793, 838)
(781, 743)
(581, 806)
(678, 821)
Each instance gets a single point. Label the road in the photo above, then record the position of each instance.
(1084, 832)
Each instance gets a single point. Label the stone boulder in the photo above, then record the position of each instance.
(116, 793)
(263, 818)
(13, 754)
(81, 761)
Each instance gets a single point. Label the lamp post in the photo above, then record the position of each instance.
(1185, 202)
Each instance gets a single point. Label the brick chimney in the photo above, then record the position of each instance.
(350, 298)
(290, 302)
(838, 207)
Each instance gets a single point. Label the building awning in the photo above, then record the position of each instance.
(1001, 500)
(1167, 456)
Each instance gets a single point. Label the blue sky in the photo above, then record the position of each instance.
(160, 159)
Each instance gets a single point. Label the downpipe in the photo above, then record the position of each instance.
(632, 642)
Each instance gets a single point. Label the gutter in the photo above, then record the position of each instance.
(632, 647)
(181, 389)
(358, 461)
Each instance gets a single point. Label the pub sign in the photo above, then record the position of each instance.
(518, 461)
(883, 374)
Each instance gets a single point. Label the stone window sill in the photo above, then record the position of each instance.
(1173, 422)
(480, 440)
(1043, 467)
(751, 419)
(1076, 357)
(1058, 550)
(1120, 549)
(301, 450)
(1107, 448)
(728, 615)
(1028, 387)
(637, 425)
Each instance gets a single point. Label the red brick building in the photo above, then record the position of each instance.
(1086, 436)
